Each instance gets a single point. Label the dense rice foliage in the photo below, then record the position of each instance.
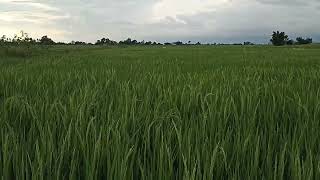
(161, 113)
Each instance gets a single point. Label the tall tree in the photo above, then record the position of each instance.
(279, 38)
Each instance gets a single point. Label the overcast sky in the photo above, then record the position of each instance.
(161, 20)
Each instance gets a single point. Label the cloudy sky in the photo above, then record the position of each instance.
(161, 20)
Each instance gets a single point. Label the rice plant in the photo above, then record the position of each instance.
(154, 113)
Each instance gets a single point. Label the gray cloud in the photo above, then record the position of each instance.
(284, 2)
(221, 21)
(290, 2)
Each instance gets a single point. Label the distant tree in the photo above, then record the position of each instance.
(105, 41)
(3, 39)
(134, 42)
(148, 43)
(80, 43)
(61, 43)
(300, 40)
(198, 43)
(247, 43)
(128, 41)
(16, 39)
(279, 38)
(167, 44)
(22, 38)
(178, 43)
(290, 42)
(45, 40)
(309, 40)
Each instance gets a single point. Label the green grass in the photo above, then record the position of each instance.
(226, 112)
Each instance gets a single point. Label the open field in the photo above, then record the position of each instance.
(207, 112)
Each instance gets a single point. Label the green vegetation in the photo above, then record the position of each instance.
(196, 112)
(277, 39)
(281, 39)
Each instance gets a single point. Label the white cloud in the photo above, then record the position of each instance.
(32, 17)
(31, 4)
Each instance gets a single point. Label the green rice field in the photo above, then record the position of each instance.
(148, 113)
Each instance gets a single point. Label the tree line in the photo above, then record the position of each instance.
(280, 39)
(277, 39)
(23, 38)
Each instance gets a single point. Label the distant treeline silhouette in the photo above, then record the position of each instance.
(278, 39)
(23, 38)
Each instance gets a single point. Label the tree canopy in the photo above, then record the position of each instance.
(279, 38)
(300, 40)
(45, 40)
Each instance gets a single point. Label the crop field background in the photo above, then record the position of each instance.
(198, 112)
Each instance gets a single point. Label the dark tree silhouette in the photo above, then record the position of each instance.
(45, 40)
(178, 43)
(247, 43)
(300, 40)
(279, 38)
(127, 42)
(148, 43)
(290, 42)
(3, 39)
(134, 42)
(105, 41)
